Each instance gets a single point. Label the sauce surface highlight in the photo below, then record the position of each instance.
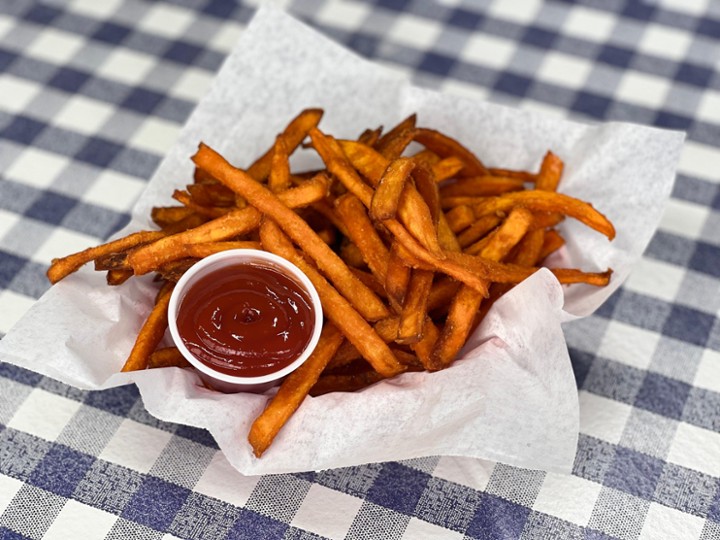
(246, 320)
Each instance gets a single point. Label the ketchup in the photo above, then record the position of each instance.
(246, 320)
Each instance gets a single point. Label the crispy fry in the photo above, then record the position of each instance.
(386, 198)
(184, 198)
(525, 176)
(460, 218)
(345, 383)
(481, 186)
(232, 224)
(166, 215)
(551, 243)
(211, 194)
(65, 266)
(363, 234)
(152, 331)
(210, 248)
(550, 172)
(447, 168)
(397, 276)
(445, 146)
(397, 138)
(362, 298)
(370, 136)
(292, 391)
(335, 306)
(548, 201)
(414, 310)
(167, 357)
(294, 134)
(477, 230)
(467, 301)
(279, 179)
(118, 277)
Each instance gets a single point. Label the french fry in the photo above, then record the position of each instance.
(414, 309)
(547, 201)
(550, 173)
(118, 277)
(386, 198)
(397, 276)
(446, 168)
(65, 266)
(232, 224)
(445, 146)
(210, 248)
(467, 301)
(293, 391)
(363, 234)
(394, 141)
(551, 243)
(167, 357)
(279, 179)
(362, 298)
(151, 333)
(166, 215)
(337, 309)
(211, 194)
(481, 186)
(293, 135)
(344, 383)
(460, 218)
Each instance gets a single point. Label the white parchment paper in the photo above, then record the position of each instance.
(511, 398)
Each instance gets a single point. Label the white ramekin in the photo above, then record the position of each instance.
(231, 383)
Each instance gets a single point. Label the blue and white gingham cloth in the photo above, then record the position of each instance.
(93, 93)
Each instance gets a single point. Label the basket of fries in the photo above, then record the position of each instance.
(445, 258)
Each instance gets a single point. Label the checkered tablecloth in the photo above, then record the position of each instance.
(93, 93)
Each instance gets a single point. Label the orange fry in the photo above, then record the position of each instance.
(548, 201)
(67, 265)
(152, 331)
(335, 307)
(292, 391)
(445, 146)
(294, 134)
(294, 226)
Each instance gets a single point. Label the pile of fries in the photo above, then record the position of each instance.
(407, 236)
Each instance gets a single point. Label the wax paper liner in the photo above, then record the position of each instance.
(511, 397)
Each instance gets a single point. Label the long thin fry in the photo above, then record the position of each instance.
(337, 309)
(296, 228)
(232, 224)
(414, 310)
(467, 301)
(294, 134)
(293, 391)
(446, 146)
(152, 331)
(67, 265)
(363, 234)
(548, 201)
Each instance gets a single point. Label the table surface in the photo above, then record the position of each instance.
(92, 95)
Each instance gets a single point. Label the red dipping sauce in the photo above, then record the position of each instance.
(246, 320)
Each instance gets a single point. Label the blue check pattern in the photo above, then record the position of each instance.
(93, 93)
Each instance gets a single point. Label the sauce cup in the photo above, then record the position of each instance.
(221, 380)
